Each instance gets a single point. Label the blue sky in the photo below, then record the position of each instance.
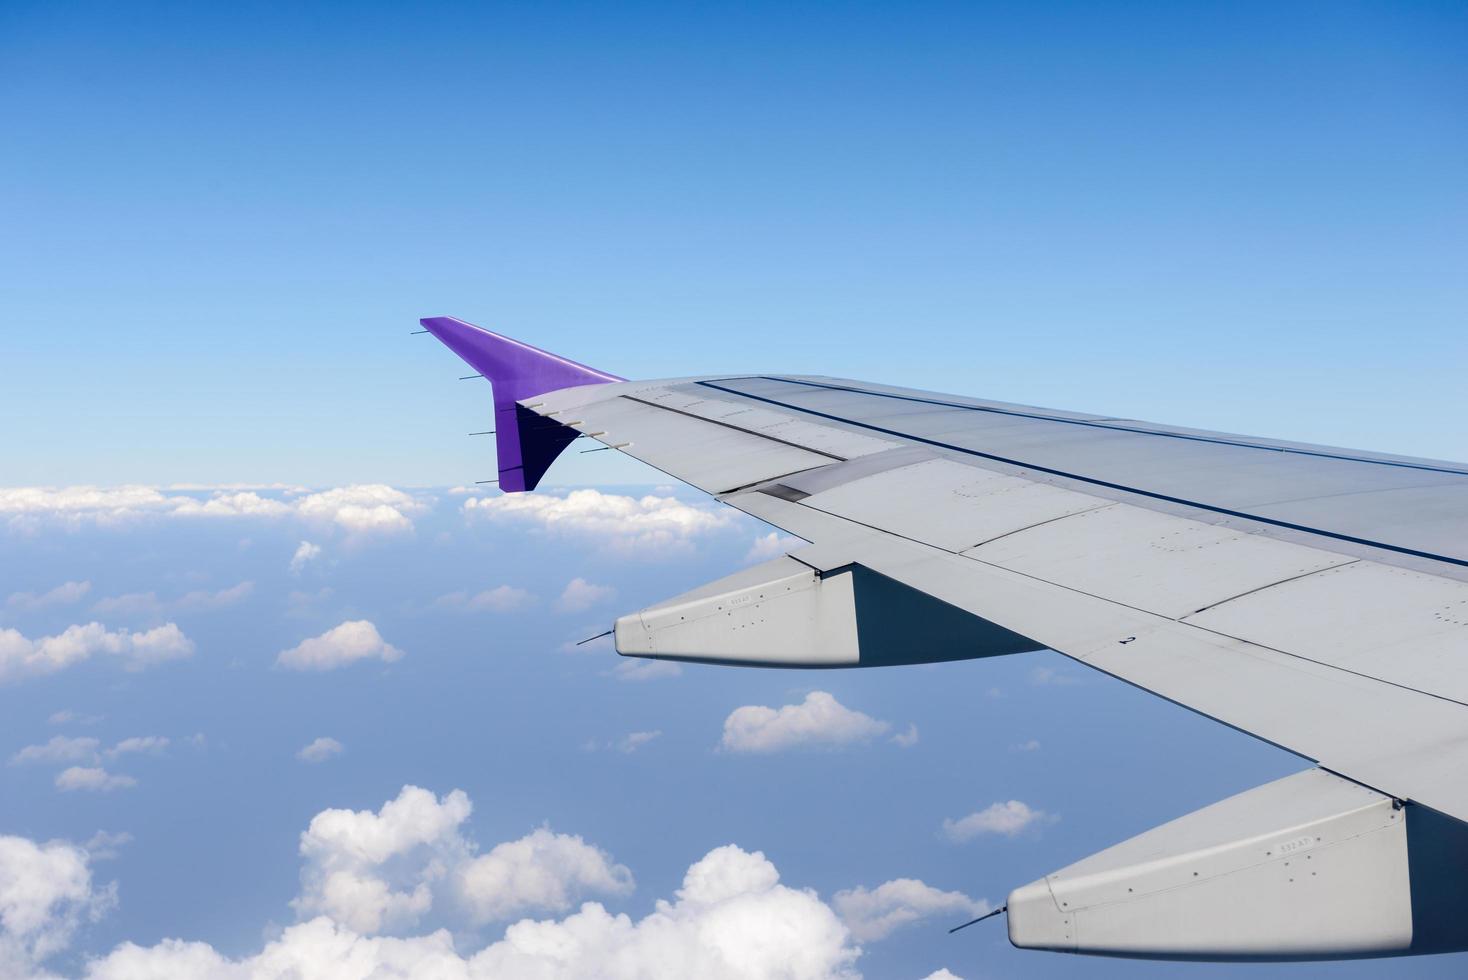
(225, 220)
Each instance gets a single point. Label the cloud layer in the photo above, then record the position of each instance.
(731, 920)
(650, 524)
(358, 510)
(367, 875)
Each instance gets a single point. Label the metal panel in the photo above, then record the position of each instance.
(711, 457)
(1400, 626)
(1272, 480)
(1164, 564)
(791, 427)
(948, 504)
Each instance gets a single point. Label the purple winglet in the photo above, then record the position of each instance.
(526, 443)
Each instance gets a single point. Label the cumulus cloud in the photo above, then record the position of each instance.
(731, 920)
(348, 643)
(60, 748)
(357, 510)
(93, 779)
(148, 603)
(64, 594)
(370, 871)
(501, 598)
(320, 750)
(943, 973)
(771, 545)
(21, 657)
(649, 524)
(874, 914)
(540, 872)
(1008, 819)
(907, 739)
(306, 552)
(818, 721)
(46, 892)
(381, 871)
(580, 595)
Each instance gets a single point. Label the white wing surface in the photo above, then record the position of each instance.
(1314, 597)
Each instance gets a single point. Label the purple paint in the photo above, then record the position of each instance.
(525, 442)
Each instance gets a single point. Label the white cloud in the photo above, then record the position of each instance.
(649, 525)
(92, 778)
(320, 750)
(60, 748)
(383, 871)
(874, 914)
(306, 552)
(21, 657)
(907, 739)
(371, 871)
(501, 598)
(357, 510)
(626, 745)
(239, 504)
(363, 509)
(103, 845)
(66, 716)
(63, 595)
(150, 744)
(731, 920)
(1050, 677)
(1008, 819)
(341, 645)
(148, 603)
(644, 669)
(820, 720)
(22, 506)
(580, 595)
(46, 892)
(943, 973)
(540, 872)
(633, 741)
(772, 545)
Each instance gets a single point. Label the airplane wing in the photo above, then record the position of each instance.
(1314, 597)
